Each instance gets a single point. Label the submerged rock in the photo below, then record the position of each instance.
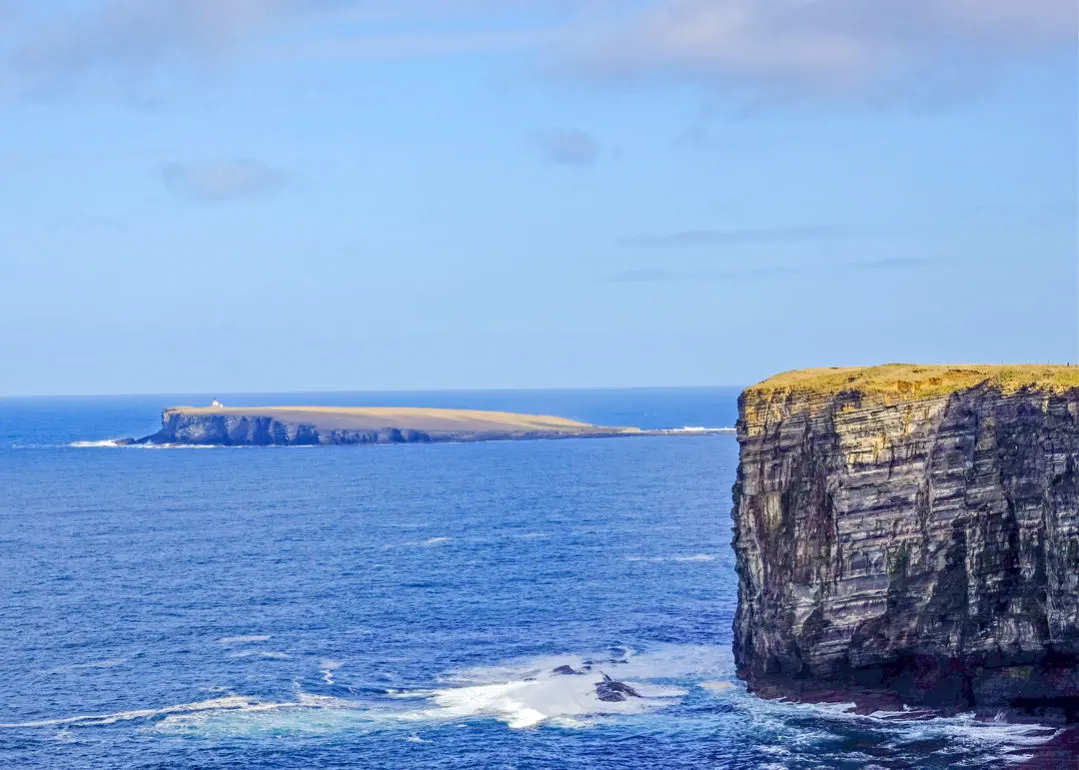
(612, 691)
(912, 530)
(566, 671)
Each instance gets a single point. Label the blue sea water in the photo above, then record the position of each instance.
(397, 606)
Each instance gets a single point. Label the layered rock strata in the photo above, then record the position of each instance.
(913, 529)
(178, 427)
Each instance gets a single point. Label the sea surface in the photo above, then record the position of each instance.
(397, 606)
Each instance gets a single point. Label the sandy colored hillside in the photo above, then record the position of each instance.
(433, 421)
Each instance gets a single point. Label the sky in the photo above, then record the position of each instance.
(300, 195)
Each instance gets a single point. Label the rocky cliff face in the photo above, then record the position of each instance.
(178, 427)
(924, 543)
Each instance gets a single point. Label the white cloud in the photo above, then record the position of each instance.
(125, 38)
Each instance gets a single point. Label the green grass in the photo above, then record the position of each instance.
(901, 382)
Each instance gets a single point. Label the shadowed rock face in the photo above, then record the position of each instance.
(926, 546)
(233, 430)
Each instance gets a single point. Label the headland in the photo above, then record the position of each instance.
(912, 530)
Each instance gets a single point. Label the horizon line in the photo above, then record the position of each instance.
(225, 393)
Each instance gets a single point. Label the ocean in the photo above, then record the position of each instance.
(398, 606)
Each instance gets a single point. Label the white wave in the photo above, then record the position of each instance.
(699, 429)
(250, 639)
(231, 703)
(262, 654)
(967, 729)
(520, 694)
(327, 667)
(527, 703)
(97, 444)
(112, 663)
(718, 686)
(999, 740)
(528, 692)
(676, 559)
(431, 541)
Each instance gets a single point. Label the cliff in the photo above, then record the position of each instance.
(307, 426)
(912, 529)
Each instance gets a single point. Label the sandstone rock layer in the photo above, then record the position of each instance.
(919, 536)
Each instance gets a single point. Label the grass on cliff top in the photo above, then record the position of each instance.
(902, 381)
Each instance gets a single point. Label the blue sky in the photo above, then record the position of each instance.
(268, 195)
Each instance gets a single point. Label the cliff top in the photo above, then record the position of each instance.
(912, 381)
(403, 418)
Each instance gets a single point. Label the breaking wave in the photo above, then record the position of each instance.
(677, 559)
(249, 639)
(528, 694)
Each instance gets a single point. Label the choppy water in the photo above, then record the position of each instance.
(397, 606)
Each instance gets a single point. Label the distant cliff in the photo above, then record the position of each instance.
(914, 529)
(178, 427)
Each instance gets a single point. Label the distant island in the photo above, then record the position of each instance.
(329, 425)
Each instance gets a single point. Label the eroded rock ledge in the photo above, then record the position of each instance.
(914, 530)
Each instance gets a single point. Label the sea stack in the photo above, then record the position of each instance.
(914, 530)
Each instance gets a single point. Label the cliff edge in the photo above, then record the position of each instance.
(913, 529)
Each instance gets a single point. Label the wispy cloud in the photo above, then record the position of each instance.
(665, 275)
(125, 39)
(568, 146)
(803, 48)
(702, 238)
(218, 180)
(419, 44)
(825, 47)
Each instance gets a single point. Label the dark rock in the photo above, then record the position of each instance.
(180, 427)
(566, 671)
(612, 691)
